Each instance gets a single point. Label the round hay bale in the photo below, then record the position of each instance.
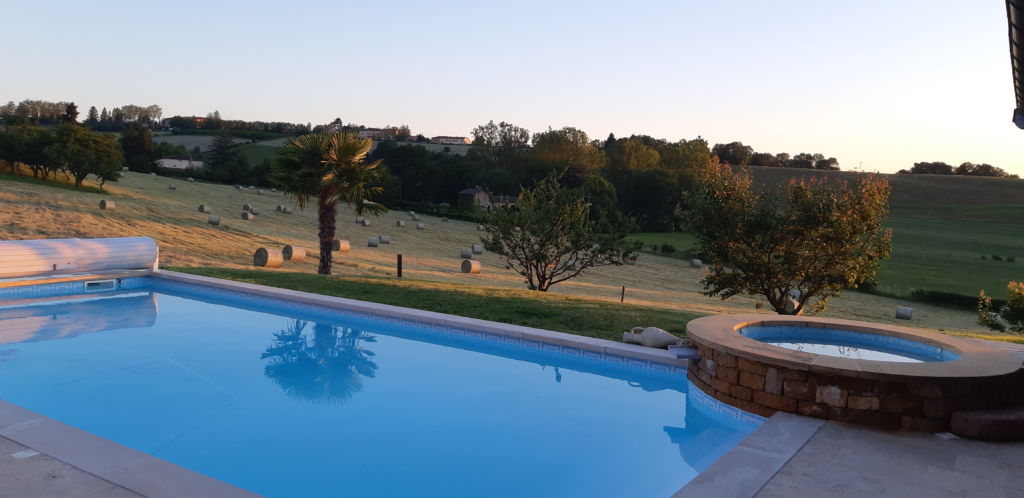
(466, 254)
(420, 226)
(412, 213)
(470, 266)
(904, 312)
(268, 258)
(444, 220)
(477, 249)
(365, 223)
(341, 246)
(372, 242)
(399, 223)
(696, 263)
(294, 253)
(238, 187)
(214, 220)
(254, 211)
(415, 218)
(278, 208)
(247, 216)
(359, 220)
(258, 191)
(384, 239)
(203, 208)
(191, 180)
(172, 187)
(479, 228)
(286, 210)
(105, 204)
(246, 207)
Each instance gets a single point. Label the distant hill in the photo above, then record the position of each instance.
(967, 198)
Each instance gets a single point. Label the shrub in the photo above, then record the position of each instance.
(668, 249)
(996, 258)
(1011, 259)
(1008, 317)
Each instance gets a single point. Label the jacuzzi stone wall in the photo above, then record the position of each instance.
(876, 398)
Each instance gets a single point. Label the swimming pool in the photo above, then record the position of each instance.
(848, 344)
(291, 399)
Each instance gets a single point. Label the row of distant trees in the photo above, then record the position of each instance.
(737, 154)
(68, 149)
(965, 169)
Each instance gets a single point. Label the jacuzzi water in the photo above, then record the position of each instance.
(848, 344)
(291, 400)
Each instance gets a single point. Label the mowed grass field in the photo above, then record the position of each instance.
(191, 141)
(146, 207)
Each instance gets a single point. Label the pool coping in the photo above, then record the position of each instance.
(152, 476)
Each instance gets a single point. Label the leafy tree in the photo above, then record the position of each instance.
(70, 113)
(82, 152)
(568, 147)
(333, 168)
(137, 146)
(550, 237)
(817, 239)
(1009, 317)
(734, 153)
(27, 145)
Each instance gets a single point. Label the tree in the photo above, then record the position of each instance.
(137, 146)
(1009, 317)
(82, 152)
(70, 113)
(331, 167)
(94, 117)
(549, 236)
(105, 116)
(222, 158)
(809, 241)
(734, 153)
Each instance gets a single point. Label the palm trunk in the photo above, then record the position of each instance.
(327, 213)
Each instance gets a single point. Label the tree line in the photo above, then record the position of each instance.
(70, 149)
(965, 169)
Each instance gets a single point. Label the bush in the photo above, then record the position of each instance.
(949, 299)
(1005, 317)
(668, 249)
(1011, 259)
(996, 258)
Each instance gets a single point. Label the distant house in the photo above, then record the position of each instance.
(446, 140)
(178, 163)
(374, 133)
(478, 199)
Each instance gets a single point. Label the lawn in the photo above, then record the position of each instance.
(257, 152)
(592, 318)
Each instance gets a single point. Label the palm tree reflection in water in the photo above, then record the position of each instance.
(325, 367)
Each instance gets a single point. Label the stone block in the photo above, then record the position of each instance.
(730, 375)
(900, 404)
(752, 380)
(812, 409)
(856, 402)
(936, 407)
(798, 390)
(834, 396)
(773, 381)
(752, 366)
(725, 359)
(856, 385)
(708, 365)
(788, 374)
(740, 392)
(924, 389)
(775, 402)
(721, 385)
(997, 425)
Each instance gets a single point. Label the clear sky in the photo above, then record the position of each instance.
(884, 83)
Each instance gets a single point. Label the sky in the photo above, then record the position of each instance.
(878, 84)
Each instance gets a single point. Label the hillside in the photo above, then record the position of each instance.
(145, 206)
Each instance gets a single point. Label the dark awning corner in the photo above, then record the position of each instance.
(1015, 18)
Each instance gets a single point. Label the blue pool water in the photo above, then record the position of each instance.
(290, 400)
(848, 344)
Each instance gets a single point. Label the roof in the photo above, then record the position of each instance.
(472, 191)
(1015, 19)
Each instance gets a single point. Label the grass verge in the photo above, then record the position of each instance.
(592, 318)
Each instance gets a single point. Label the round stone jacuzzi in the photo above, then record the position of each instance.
(865, 373)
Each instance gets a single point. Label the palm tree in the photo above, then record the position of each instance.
(331, 167)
